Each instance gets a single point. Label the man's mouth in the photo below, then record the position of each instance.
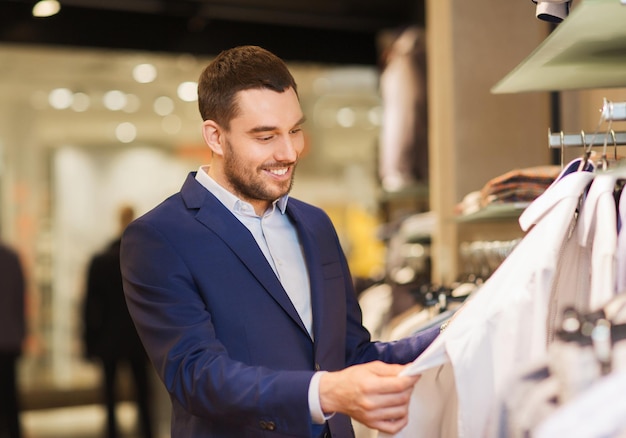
(279, 172)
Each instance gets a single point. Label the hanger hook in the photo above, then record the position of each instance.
(614, 145)
(607, 109)
(591, 141)
(605, 161)
(586, 151)
(562, 138)
(593, 136)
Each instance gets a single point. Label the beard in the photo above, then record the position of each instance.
(250, 183)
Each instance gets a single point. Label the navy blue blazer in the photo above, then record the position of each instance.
(220, 329)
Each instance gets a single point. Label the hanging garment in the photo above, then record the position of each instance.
(589, 415)
(504, 326)
(403, 153)
(621, 245)
(598, 229)
(615, 312)
(529, 400)
(589, 346)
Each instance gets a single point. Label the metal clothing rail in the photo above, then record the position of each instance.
(560, 139)
(613, 111)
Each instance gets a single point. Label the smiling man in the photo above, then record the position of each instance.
(242, 295)
(255, 154)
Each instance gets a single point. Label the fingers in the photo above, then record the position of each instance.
(373, 394)
(389, 379)
(390, 419)
(391, 426)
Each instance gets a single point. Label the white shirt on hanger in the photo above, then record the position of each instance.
(598, 228)
(503, 326)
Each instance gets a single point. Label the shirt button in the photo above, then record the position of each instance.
(317, 367)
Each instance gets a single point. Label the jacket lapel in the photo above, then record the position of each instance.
(316, 277)
(215, 216)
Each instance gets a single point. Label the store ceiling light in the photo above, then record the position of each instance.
(114, 100)
(188, 91)
(46, 8)
(144, 73)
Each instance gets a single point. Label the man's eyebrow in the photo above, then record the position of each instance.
(258, 129)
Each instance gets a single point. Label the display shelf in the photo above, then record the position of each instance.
(587, 50)
(495, 212)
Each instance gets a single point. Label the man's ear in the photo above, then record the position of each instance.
(213, 136)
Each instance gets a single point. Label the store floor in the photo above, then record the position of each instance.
(72, 407)
(87, 421)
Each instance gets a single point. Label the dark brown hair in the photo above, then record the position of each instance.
(237, 69)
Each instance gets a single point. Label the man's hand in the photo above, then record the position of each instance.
(371, 393)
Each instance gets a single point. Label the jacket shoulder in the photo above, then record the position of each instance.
(301, 207)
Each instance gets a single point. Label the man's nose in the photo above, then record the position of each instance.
(287, 149)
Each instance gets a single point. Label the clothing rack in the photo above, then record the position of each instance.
(560, 139)
(610, 112)
(613, 111)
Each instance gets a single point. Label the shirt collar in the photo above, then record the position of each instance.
(232, 202)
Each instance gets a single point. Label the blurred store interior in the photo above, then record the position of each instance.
(94, 115)
(98, 109)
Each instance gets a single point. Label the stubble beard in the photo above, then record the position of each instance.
(249, 184)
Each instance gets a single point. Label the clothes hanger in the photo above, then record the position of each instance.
(586, 150)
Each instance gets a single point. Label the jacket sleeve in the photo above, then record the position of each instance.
(178, 333)
(358, 345)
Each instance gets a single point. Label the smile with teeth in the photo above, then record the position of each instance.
(279, 172)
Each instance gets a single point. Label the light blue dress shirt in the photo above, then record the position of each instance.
(278, 240)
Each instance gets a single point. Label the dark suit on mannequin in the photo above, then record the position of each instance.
(110, 336)
(12, 332)
(221, 330)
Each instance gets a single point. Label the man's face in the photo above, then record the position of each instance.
(263, 145)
